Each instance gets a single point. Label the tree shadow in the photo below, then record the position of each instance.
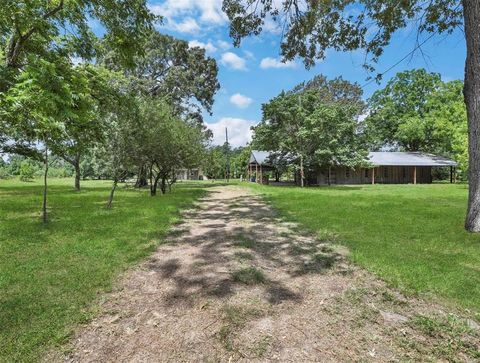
(251, 226)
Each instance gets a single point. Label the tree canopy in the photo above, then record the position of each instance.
(38, 29)
(312, 27)
(417, 111)
(314, 124)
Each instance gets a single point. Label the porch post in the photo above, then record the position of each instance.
(414, 175)
(256, 172)
(261, 174)
(451, 174)
(373, 175)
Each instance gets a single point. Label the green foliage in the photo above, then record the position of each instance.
(165, 143)
(26, 171)
(169, 69)
(49, 277)
(215, 162)
(397, 112)
(36, 29)
(309, 28)
(13, 167)
(416, 111)
(323, 130)
(43, 95)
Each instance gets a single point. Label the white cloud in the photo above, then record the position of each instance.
(224, 44)
(271, 26)
(240, 100)
(233, 61)
(239, 132)
(207, 12)
(188, 25)
(276, 63)
(209, 47)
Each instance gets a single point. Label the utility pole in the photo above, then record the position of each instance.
(227, 151)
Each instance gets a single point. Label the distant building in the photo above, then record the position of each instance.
(385, 168)
(190, 174)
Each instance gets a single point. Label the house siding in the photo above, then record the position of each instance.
(383, 175)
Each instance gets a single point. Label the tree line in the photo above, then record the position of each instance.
(323, 123)
(130, 101)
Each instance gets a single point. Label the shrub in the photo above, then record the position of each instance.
(26, 171)
(4, 174)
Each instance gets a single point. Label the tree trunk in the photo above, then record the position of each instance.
(112, 192)
(471, 11)
(153, 186)
(45, 176)
(302, 175)
(163, 186)
(141, 177)
(78, 174)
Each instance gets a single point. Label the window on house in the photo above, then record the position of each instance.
(404, 172)
(385, 172)
(366, 173)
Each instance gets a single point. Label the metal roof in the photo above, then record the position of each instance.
(379, 158)
(259, 157)
(396, 158)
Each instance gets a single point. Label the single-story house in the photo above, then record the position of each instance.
(386, 167)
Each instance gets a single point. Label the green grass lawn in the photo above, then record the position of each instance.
(411, 236)
(49, 275)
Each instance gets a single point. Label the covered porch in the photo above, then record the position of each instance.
(259, 168)
(407, 167)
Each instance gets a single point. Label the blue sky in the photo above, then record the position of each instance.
(252, 74)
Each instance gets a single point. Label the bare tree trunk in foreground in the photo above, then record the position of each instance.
(471, 10)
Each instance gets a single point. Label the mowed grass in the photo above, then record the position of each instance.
(410, 235)
(50, 274)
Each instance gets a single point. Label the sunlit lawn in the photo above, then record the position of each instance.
(412, 236)
(49, 275)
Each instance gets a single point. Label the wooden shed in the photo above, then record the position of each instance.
(389, 167)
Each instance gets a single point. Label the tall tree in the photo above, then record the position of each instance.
(416, 111)
(398, 111)
(93, 99)
(35, 109)
(312, 27)
(285, 116)
(166, 143)
(336, 90)
(170, 70)
(57, 31)
(316, 133)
